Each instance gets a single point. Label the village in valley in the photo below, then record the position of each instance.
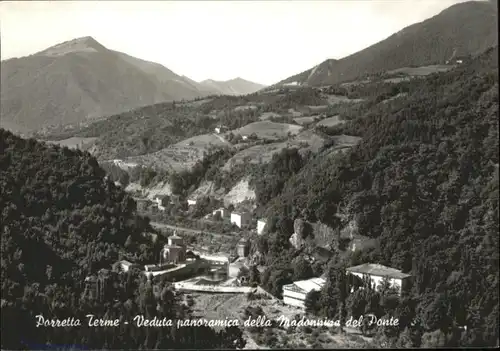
(350, 204)
(215, 274)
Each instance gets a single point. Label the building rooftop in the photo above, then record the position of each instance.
(215, 257)
(155, 273)
(239, 213)
(126, 263)
(305, 286)
(91, 278)
(378, 270)
(174, 247)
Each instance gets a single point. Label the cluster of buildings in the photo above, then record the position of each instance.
(175, 263)
(295, 294)
(161, 200)
(242, 219)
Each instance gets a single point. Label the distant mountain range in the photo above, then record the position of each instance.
(461, 30)
(80, 80)
(236, 86)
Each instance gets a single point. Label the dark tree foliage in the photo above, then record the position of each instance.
(424, 181)
(205, 169)
(271, 178)
(61, 221)
(115, 173)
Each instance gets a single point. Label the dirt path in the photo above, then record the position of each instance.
(221, 138)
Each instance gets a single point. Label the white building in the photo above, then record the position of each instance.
(126, 265)
(216, 261)
(377, 272)
(241, 219)
(191, 202)
(220, 129)
(224, 213)
(295, 294)
(158, 199)
(261, 225)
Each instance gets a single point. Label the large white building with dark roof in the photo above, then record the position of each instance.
(377, 272)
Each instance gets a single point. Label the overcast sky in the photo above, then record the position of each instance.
(262, 41)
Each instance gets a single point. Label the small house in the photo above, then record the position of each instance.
(224, 213)
(220, 129)
(126, 265)
(191, 202)
(241, 219)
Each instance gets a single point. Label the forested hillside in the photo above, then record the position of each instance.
(61, 221)
(424, 183)
(439, 39)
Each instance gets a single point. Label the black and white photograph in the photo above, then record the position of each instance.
(228, 175)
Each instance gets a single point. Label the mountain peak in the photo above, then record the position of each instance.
(432, 41)
(83, 44)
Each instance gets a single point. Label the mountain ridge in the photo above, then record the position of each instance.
(235, 86)
(431, 41)
(79, 80)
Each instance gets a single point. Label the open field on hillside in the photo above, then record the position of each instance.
(422, 70)
(268, 130)
(170, 158)
(396, 80)
(354, 83)
(204, 141)
(331, 121)
(246, 107)
(345, 140)
(194, 103)
(268, 115)
(292, 112)
(182, 155)
(304, 121)
(337, 99)
(263, 153)
(314, 141)
(75, 142)
(318, 109)
(257, 154)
